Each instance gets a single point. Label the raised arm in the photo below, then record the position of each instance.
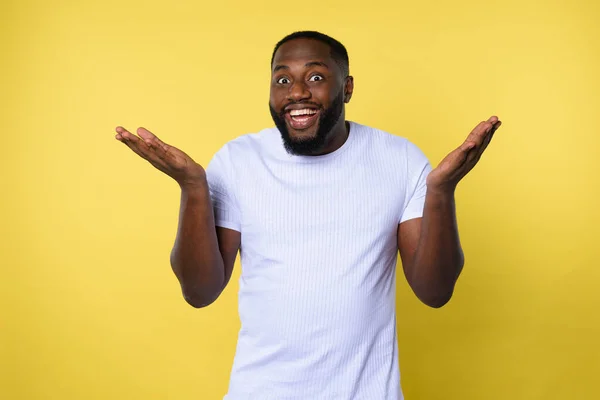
(430, 248)
(203, 255)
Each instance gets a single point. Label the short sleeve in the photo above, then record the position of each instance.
(221, 187)
(418, 168)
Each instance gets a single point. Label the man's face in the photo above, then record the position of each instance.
(308, 93)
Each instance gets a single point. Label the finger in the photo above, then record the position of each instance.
(476, 134)
(490, 127)
(485, 143)
(124, 134)
(454, 165)
(125, 137)
(488, 137)
(133, 143)
(160, 147)
(458, 157)
(480, 134)
(493, 130)
(138, 146)
(464, 158)
(146, 134)
(475, 139)
(467, 146)
(493, 119)
(150, 137)
(496, 126)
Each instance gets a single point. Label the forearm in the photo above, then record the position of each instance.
(439, 258)
(195, 259)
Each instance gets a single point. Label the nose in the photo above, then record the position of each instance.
(299, 91)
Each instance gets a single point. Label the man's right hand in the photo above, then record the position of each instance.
(167, 159)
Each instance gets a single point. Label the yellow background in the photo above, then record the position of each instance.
(89, 306)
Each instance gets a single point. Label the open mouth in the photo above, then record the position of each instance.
(302, 119)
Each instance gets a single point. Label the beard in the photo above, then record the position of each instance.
(329, 117)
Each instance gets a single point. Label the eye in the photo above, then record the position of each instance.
(316, 78)
(283, 81)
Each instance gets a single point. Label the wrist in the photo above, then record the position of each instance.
(193, 185)
(441, 191)
(193, 179)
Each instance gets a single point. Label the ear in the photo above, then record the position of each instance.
(348, 89)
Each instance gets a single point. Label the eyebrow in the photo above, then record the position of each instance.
(308, 64)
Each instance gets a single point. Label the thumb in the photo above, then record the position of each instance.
(458, 157)
(467, 146)
(464, 150)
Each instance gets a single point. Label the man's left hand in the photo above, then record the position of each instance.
(458, 163)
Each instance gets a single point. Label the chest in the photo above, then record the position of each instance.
(280, 203)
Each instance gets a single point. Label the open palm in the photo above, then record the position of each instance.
(460, 161)
(168, 159)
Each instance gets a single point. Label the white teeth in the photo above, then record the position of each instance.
(306, 111)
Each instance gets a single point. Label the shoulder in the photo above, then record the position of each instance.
(246, 146)
(386, 143)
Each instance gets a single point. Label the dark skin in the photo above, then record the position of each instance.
(203, 254)
(430, 249)
(304, 72)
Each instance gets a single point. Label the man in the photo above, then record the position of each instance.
(319, 208)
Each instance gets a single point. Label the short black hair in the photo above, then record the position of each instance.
(338, 51)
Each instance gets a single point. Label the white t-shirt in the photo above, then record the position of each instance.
(318, 255)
